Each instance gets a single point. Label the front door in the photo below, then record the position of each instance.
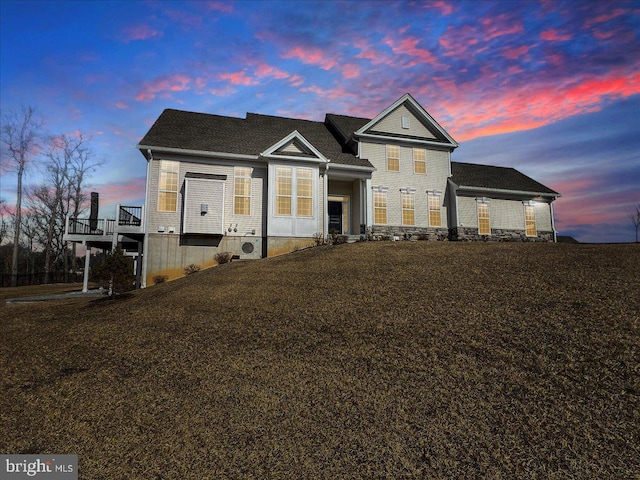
(335, 217)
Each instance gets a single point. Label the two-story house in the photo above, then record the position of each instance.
(263, 185)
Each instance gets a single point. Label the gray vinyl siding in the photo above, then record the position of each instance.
(543, 217)
(392, 123)
(503, 214)
(173, 220)
(435, 179)
(208, 193)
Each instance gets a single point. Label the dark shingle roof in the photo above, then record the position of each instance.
(498, 178)
(346, 125)
(250, 136)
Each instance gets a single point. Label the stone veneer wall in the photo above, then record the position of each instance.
(464, 234)
(415, 233)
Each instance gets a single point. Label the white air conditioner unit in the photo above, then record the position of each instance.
(251, 248)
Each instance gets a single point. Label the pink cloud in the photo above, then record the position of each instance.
(500, 25)
(123, 192)
(140, 32)
(122, 105)
(264, 70)
(368, 52)
(516, 52)
(444, 7)
(457, 41)
(409, 46)
(351, 70)
(163, 86)
(329, 93)
(532, 105)
(552, 35)
(224, 7)
(311, 56)
(606, 17)
(238, 78)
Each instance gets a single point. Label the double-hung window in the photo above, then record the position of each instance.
(393, 158)
(484, 226)
(530, 220)
(435, 217)
(408, 209)
(305, 192)
(168, 186)
(283, 190)
(242, 191)
(380, 207)
(420, 161)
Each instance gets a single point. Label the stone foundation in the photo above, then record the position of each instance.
(467, 234)
(403, 232)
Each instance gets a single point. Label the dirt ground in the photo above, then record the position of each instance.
(440, 360)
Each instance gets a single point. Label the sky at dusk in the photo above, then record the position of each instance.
(551, 88)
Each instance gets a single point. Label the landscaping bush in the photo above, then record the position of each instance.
(115, 273)
(160, 279)
(193, 268)
(223, 257)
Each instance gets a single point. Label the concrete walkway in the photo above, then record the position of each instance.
(98, 292)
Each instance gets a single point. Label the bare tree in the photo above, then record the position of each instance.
(19, 134)
(634, 216)
(4, 222)
(68, 161)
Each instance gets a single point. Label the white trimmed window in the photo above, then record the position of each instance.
(305, 192)
(408, 209)
(393, 158)
(420, 161)
(242, 191)
(380, 208)
(435, 217)
(168, 186)
(530, 220)
(484, 226)
(283, 190)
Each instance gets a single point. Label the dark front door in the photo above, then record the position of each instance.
(335, 217)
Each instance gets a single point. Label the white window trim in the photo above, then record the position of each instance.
(160, 190)
(291, 195)
(382, 190)
(412, 192)
(434, 193)
(535, 220)
(414, 160)
(386, 158)
(483, 201)
(298, 196)
(235, 175)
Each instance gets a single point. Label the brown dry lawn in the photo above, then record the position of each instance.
(435, 360)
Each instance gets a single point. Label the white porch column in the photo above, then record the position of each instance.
(369, 203)
(87, 261)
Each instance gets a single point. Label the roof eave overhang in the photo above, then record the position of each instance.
(358, 168)
(444, 146)
(504, 191)
(195, 153)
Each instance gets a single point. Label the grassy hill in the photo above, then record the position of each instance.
(442, 360)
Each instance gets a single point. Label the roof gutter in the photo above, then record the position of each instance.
(405, 140)
(502, 190)
(198, 153)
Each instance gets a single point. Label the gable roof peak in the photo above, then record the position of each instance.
(418, 110)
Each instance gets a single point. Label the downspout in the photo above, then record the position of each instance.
(553, 222)
(145, 231)
(325, 224)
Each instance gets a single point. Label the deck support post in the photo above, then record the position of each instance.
(87, 261)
